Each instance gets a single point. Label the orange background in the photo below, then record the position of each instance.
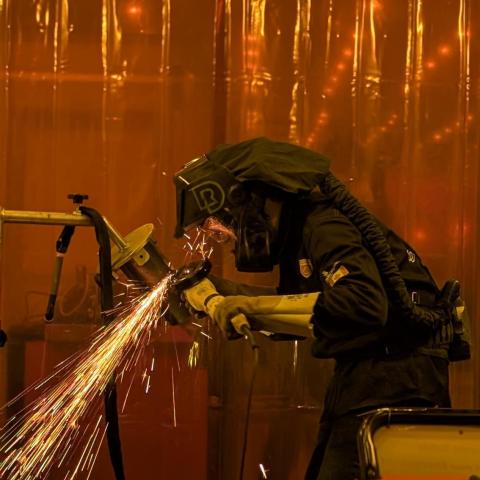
(111, 97)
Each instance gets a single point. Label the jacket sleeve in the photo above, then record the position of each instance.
(353, 301)
(228, 287)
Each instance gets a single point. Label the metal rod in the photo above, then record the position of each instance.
(44, 218)
(55, 218)
(116, 238)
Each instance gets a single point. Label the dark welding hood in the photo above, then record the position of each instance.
(203, 189)
(286, 167)
(210, 185)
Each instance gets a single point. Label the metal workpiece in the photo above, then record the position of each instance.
(41, 218)
(76, 219)
(115, 236)
(44, 218)
(142, 261)
(134, 253)
(132, 247)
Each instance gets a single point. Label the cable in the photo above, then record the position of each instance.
(250, 337)
(106, 300)
(61, 249)
(253, 343)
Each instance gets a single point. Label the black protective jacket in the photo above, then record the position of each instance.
(323, 252)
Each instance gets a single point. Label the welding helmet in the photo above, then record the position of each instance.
(206, 191)
(232, 184)
(203, 190)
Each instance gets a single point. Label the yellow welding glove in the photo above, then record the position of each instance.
(204, 297)
(289, 314)
(200, 294)
(228, 287)
(275, 313)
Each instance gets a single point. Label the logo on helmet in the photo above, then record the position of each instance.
(209, 196)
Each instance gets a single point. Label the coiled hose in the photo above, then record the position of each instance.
(423, 320)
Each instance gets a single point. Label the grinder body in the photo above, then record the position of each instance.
(142, 262)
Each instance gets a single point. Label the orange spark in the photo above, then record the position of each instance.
(48, 432)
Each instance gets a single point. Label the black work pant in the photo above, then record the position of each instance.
(335, 457)
(336, 454)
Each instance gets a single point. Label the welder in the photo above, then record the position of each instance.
(343, 279)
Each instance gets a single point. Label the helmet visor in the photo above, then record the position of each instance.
(202, 191)
(218, 230)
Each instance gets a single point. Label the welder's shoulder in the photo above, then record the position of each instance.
(323, 221)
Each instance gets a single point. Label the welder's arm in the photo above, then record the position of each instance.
(290, 314)
(227, 287)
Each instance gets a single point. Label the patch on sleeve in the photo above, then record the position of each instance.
(335, 274)
(306, 267)
(411, 256)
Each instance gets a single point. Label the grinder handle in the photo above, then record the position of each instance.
(239, 321)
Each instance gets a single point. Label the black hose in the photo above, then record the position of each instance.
(62, 245)
(106, 300)
(426, 321)
(3, 338)
(253, 343)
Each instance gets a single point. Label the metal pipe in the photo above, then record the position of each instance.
(44, 218)
(55, 218)
(116, 238)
